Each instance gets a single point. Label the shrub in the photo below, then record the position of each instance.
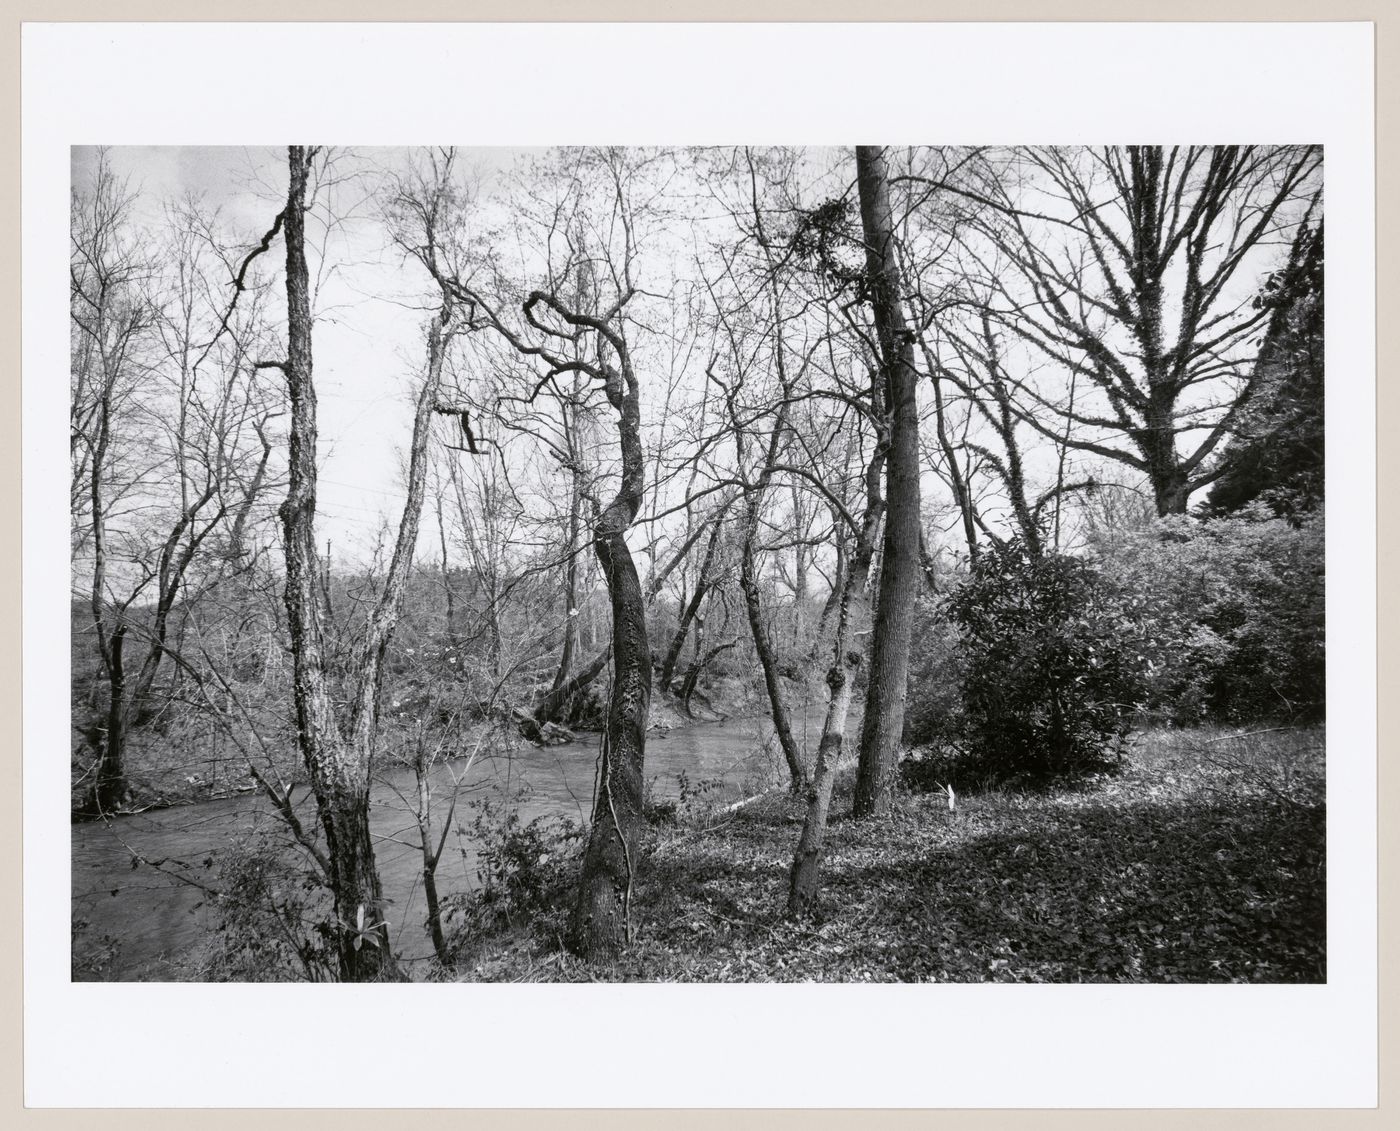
(1230, 615)
(273, 920)
(686, 806)
(1047, 687)
(526, 874)
(935, 671)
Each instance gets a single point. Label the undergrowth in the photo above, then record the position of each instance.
(1202, 861)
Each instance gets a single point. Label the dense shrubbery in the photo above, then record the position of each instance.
(1048, 683)
(935, 673)
(1037, 666)
(1229, 615)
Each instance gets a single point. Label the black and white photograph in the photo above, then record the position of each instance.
(726, 563)
(715, 546)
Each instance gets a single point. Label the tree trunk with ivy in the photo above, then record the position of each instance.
(883, 724)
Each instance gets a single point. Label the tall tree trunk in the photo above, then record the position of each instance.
(339, 771)
(430, 856)
(339, 762)
(832, 604)
(566, 654)
(448, 596)
(800, 523)
(110, 790)
(602, 916)
(883, 724)
(554, 701)
(1169, 479)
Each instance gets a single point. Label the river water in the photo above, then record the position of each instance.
(154, 919)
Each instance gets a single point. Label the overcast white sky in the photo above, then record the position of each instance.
(367, 346)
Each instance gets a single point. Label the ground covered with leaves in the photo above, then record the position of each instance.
(1202, 861)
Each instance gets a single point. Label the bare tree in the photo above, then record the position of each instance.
(1123, 264)
(561, 338)
(165, 474)
(339, 754)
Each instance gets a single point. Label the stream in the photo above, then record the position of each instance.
(153, 919)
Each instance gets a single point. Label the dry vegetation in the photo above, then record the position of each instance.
(1203, 861)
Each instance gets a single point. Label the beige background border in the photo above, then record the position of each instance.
(1387, 21)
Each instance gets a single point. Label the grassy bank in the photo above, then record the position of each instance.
(1203, 861)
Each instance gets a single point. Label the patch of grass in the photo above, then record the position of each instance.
(1203, 861)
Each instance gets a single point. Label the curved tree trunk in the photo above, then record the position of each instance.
(602, 916)
(883, 725)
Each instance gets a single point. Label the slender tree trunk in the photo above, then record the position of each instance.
(799, 568)
(566, 654)
(110, 790)
(339, 771)
(692, 607)
(840, 677)
(883, 724)
(430, 860)
(832, 604)
(448, 596)
(962, 493)
(782, 726)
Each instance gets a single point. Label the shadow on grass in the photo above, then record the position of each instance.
(1193, 890)
(1150, 892)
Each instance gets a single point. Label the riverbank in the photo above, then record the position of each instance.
(145, 886)
(1203, 861)
(165, 773)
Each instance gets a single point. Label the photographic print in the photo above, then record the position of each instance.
(727, 563)
(645, 529)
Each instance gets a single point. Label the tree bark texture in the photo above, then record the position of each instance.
(883, 724)
(602, 916)
(805, 875)
(339, 761)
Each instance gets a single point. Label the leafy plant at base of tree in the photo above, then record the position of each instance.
(1048, 688)
(526, 871)
(272, 920)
